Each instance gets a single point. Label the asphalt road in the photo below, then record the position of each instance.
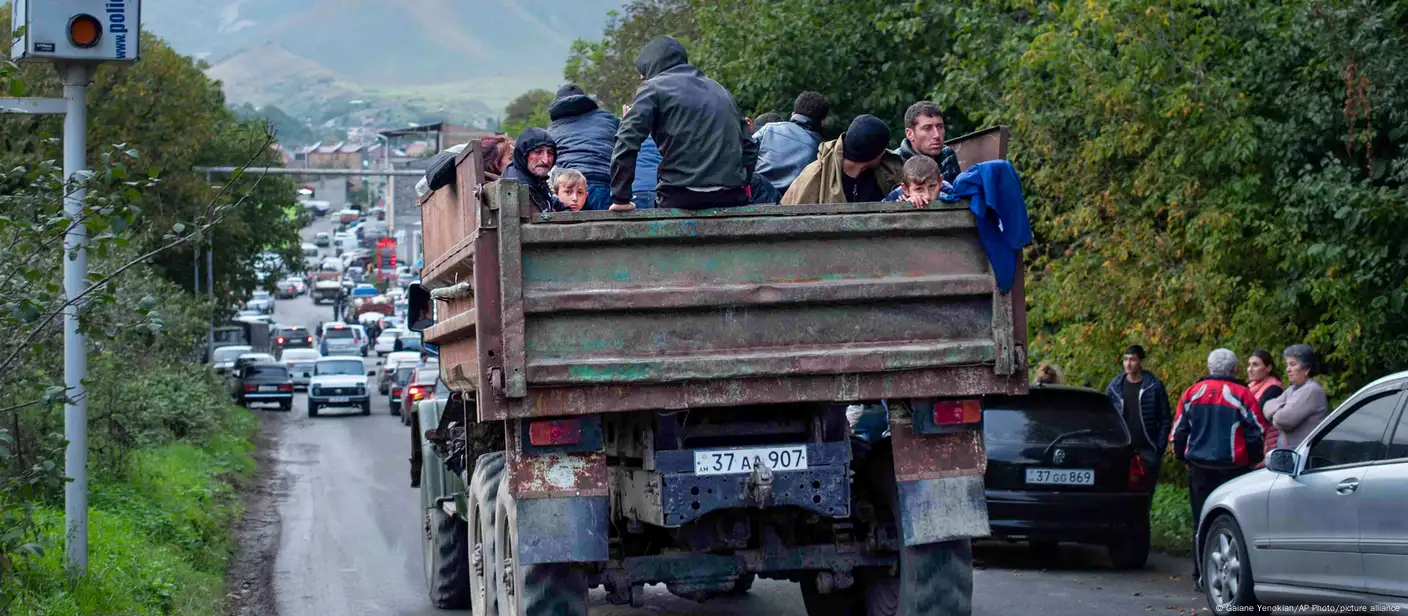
(349, 543)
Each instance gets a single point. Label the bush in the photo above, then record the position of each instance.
(1171, 520)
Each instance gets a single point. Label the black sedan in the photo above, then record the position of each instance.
(292, 337)
(1061, 468)
(264, 382)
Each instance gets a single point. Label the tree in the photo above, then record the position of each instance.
(167, 110)
(606, 68)
(866, 56)
(530, 109)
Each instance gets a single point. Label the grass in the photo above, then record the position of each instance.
(1171, 521)
(159, 534)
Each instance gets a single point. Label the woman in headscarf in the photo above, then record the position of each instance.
(1261, 379)
(1303, 405)
(495, 153)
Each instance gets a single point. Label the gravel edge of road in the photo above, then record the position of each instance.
(250, 575)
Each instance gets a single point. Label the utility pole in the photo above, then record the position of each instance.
(76, 77)
(75, 43)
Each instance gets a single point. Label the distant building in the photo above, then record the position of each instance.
(341, 155)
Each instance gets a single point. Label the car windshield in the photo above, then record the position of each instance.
(1042, 417)
(442, 391)
(336, 333)
(427, 375)
(403, 375)
(292, 332)
(252, 358)
(228, 353)
(300, 354)
(352, 367)
(271, 371)
(260, 295)
(410, 343)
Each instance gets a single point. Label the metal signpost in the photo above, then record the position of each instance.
(75, 36)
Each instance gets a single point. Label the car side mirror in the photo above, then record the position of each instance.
(1283, 461)
(419, 311)
(371, 373)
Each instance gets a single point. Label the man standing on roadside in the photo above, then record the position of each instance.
(1218, 434)
(706, 154)
(1143, 402)
(924, 134)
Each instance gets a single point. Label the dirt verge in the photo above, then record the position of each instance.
(250, 576)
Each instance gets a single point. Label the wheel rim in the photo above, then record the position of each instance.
(510, 593)
(1222, 568)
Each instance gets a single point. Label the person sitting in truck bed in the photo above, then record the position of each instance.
(706, 152)
(570, 187)
(585, 134)
(851, 169)
(533, 157)
(923, 182)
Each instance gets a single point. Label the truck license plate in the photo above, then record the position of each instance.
(339, 400)
(731, 461)
(1061, 476)
(268, 388)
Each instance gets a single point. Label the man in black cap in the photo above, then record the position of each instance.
(585, 134)
(706, 154)
(533, 157)
(855, 168)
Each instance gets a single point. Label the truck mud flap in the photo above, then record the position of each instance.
(562, 507)
(939, 478)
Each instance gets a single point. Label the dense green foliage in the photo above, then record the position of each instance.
(606, 68)
(529, 110)
(1198, 174)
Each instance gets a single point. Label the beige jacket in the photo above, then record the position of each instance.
(820, 182)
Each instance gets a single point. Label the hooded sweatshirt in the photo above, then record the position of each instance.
(530, 140)
(820, 182)
(584, 134)
(703, 140)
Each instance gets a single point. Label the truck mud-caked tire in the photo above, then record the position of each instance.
(484, 564)
(556, 589)
(446, 550)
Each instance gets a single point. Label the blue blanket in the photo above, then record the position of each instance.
(995, 196)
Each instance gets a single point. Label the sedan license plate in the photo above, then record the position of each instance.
(339, 400)
(268, 388)
(733, 461)
(1061, 476)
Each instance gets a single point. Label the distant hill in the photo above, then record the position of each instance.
(464, 59)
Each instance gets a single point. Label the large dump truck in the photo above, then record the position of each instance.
(660, 397)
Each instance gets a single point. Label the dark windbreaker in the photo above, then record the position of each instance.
(703, 140)
(531, 139)
(585, 135)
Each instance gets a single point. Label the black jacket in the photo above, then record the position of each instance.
(530, 140)
(584, 134)
(703, 140)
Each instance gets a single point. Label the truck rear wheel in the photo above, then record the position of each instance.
(556, 589)
(446, 550)
(935, 580)
(847, 602)
(483, 556)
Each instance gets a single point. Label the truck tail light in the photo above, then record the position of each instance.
(251, 388)
(286, 387)
(955, 412)
(555, 432)
(1138, 474)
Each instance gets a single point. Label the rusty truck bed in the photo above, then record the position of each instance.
(591, 312)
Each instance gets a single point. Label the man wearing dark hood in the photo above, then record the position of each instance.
(584, 134)
(533, 157)
(707, 156)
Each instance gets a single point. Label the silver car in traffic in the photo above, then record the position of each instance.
(1324, 524)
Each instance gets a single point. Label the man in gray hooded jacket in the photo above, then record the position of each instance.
(706, 154)
(584, 134)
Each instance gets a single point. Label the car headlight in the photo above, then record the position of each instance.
(361, 389)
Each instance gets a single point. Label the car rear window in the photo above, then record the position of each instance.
(1043, 416)
(427, 375)
(262, 371)
(338, 333)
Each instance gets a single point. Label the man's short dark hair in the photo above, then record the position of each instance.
(1135, 350)
(767, 118)
(920, 168)
(921, 109)
(812, 105)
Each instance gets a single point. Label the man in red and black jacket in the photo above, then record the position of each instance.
(1216, 433)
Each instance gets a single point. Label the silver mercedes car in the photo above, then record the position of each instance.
(1324, 524)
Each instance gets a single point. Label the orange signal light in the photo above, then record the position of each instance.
(84, 31)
